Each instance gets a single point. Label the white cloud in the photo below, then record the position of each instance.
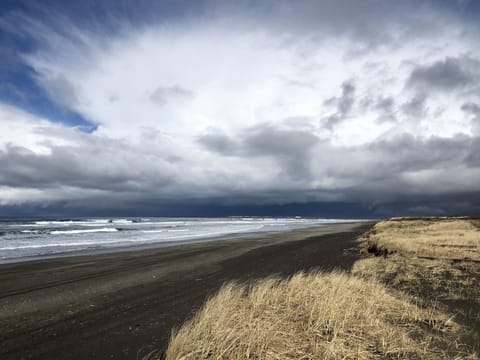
(239, 78)
(18, 128)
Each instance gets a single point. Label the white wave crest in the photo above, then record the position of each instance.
(63, 232)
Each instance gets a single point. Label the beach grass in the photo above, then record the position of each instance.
(433, 238)
(315, 316)
(435, 260)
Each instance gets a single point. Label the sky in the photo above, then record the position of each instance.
(335, 108)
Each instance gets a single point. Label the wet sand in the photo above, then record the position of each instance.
(123, 305)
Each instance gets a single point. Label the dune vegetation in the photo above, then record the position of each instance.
(434, 238)
(314, 316)
(418, 300)
(436, 260)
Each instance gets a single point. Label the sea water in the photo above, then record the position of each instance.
(22, 239)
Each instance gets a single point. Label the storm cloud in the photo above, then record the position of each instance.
(446, 75)
(371, 106)
(290, 149)
(343, 104)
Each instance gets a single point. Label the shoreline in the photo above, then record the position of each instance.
(99, 250)
(122, 305)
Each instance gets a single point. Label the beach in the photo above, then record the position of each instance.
(123, 305)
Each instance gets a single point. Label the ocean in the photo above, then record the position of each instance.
(24, 239)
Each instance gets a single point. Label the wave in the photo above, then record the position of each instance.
(33, 231)
(123, 221)
(164, 230)
(42, 237)
(84, 222)
(52, 245)
(63, 232)
(103, 243)
(55, 222)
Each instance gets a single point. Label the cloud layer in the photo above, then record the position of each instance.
(323, 101)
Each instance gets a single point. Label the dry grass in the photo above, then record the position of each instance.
(453, 238)
(315, 316)
(435, 260)
(452, 287)
(419, 277)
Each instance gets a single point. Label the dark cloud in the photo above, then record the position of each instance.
(403, 174)
(112, 167)
(473, 158)
(387, 170)
(163, 94)
(369, 23)
(455, 203)
(385, 104)
(381, 172)
(449, 74)
(406, 153)
(268, 140)
(195, 207)
(219, 143)
(471, 108)
(344, 104)
(385, 107)
(290, 148)
(416, 107)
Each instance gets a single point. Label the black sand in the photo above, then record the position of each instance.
(123, 305)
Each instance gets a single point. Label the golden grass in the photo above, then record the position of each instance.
(438, 279)
(449, 238)
(315, 316)
(436, 260)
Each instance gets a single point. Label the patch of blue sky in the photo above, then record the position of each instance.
(18, 85)
(18, 88)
